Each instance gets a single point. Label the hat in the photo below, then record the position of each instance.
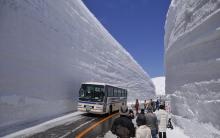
(141, 120)
(162, 106)
(123, 110)
(142, 111)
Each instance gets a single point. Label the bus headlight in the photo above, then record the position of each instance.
(80, 105)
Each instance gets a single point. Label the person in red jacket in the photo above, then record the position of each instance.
(136, 106)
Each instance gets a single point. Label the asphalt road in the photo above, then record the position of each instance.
(90, 126)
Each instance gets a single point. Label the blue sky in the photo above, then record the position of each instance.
(138, 25)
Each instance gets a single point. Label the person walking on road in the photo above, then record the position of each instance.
(157, 104)
(152, 122)
(123, 126)
(136, 106)
(152, 104)
(142, 131)
(141, 115)
(145, 104)
(162, 117)
(131, 114)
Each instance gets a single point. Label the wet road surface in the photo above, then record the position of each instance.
(98, 125)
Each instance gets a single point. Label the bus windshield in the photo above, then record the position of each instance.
(94, 93)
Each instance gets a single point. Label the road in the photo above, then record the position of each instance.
(90, 126)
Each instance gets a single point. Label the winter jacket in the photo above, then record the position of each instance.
(123, 127)
(131, 114)
(162, 117)
(157, 104)
(143, 132)
(136, 105)
(152, 122)
(141, 120)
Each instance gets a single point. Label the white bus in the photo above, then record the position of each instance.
(100, 98)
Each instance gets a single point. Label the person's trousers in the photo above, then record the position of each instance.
(162, 135)
(154, 133)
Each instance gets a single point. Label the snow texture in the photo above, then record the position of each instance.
(177, 132)
(195, 129)
(159, 83)
(192, 53)
(47, 48)
(64, 120)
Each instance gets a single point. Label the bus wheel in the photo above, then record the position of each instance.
(110, 110)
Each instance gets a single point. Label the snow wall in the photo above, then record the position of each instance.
(47, 48)
(159, 83)
(192, 59)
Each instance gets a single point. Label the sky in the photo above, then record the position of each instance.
(138, 25)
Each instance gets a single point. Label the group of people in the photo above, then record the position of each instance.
(153, 104)
(149, 124)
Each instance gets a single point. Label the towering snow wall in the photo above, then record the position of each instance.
(47, 48)
(192, 59)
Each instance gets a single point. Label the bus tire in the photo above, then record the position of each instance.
(110, 110)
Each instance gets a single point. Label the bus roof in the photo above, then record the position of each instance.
(99, 83)
(96, 83)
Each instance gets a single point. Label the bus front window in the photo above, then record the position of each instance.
(92, 93)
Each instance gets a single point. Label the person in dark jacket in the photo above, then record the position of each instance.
(157, 104)
(131, 114)
(142, 131)
(140, 118)
(123, 126)
(152, 122)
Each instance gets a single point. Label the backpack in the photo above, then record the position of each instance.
(169, 125)
(122, 132)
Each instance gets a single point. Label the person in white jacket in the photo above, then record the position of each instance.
(162, 117)
(143, 131)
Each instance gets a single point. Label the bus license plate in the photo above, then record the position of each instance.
(88, 108)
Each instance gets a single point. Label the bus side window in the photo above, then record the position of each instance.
(115, 92)
(110, 91)
(123, 93)
(120, 93)
(107, 91)
(112, 94)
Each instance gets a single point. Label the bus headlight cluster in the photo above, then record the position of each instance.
(80, 105)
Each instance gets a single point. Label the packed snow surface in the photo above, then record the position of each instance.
(66, 119)
(177, 132)
(47, 48)
(159, 83)
(196, 129)
(192, 53)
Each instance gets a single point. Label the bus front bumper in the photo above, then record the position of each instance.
(93, 111)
